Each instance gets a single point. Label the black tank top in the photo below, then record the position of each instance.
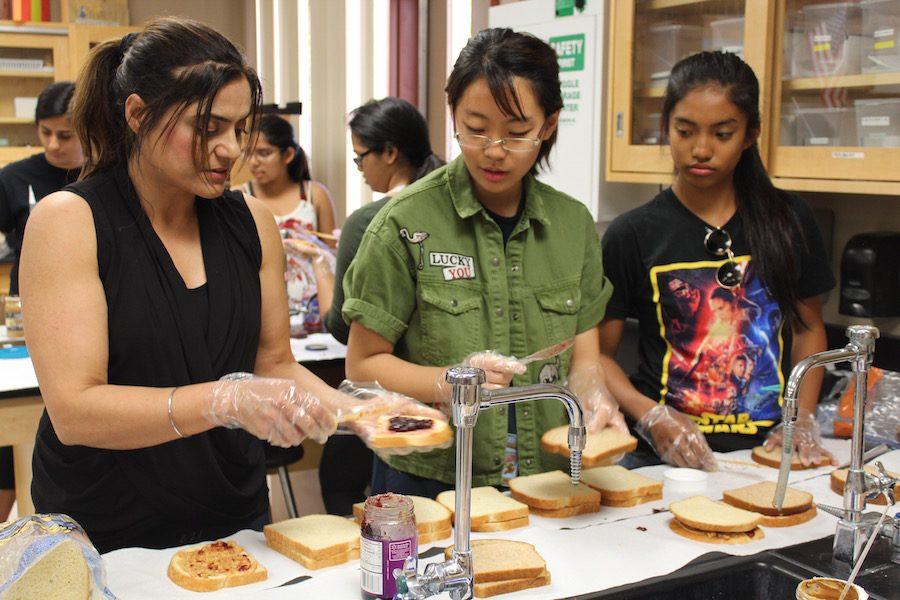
(208, 485)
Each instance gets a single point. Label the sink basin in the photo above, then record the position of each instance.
(763, 576)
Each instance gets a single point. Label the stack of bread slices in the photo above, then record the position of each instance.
(552, 494)
(315, 541)
(505, 566)
(797, 508)
(599, 449)
(701, 519)
(620, 487)
(433, 521)
(491, 510)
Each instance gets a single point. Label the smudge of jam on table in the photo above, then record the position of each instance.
(405, 424)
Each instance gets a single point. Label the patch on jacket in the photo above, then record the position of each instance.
(454, 266)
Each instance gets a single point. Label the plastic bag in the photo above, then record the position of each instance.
(55, 537)
(835, 412)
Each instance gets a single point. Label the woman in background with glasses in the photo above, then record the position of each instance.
(479, 261)
(724, 273)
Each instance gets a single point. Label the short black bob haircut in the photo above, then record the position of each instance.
(499, 55)
(54, 100)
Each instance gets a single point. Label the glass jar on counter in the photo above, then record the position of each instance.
(12, 309)
(388, 535)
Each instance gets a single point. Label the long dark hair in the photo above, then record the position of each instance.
(499, 55)
(771, 225)
(280, 133)
(54, 100)
(172, 62)
(394, 122)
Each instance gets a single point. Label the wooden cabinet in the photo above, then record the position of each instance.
(82, 38)
(829, 83)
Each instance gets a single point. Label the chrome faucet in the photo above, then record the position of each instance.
(854, 526)
(455, 576)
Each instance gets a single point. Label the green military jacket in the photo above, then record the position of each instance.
(432, 276)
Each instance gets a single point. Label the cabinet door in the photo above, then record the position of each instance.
(836, 100)
(648, 37)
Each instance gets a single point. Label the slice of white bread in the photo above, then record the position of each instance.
(772, 458)
(315, 541)
(493, 526)
(502, 560)
(567, 511)
(214, 566)
(758, 497)
(551, 491)
(701, 513)
(489, 505)
(433, 536)
(437, 433)
(839, 479)
(598, 448)
(495, 588)
(712, 537)
(61, 574)
(430, 515)
(620, 487)
(789, 520)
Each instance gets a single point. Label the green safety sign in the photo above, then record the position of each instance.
(570, 51)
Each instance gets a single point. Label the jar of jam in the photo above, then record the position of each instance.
(12, 309)
(388, 535)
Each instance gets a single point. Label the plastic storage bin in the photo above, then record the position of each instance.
(825, 127)
(727, 35)
(878, 122)
(664, 46)
(832, 35)
(881, 35)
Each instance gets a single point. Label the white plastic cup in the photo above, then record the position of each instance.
(685, 481)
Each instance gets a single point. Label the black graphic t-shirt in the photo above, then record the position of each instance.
(718, 355)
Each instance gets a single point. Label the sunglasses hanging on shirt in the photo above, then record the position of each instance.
(718, 243)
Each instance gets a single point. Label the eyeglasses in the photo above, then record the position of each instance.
(718, 243)
(358, 159)
(483, 142)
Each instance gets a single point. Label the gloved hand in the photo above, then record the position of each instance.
(675, 438)
(600, 410)
(386, 402)
(271, 409)
(321, 259)
(498, 372)
(807, 439)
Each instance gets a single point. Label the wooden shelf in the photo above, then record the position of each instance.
(651, 92)
(664, 4)
(842, 81)
(16, 121)
(29, 74)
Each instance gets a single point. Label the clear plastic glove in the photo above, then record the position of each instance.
(320, 258)
(498, 373)
(271, 409)
(600, 410)
(675, 438)
(807, 440)
(386, 402)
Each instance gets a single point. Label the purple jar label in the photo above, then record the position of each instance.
(378, 559)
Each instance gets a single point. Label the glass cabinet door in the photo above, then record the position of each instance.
(648, 38)
(837, 97)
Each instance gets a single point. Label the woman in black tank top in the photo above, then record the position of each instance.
(143, 285)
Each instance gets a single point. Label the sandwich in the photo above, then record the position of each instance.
(433, 520)
(798, 506)
(599, 448)
(839, 480)
(552, 495)
(315, 541)
(399, 431)
(491, 510)
(772, 458)
(620, 487)
(214, 566)
(700, 519)
(505, 566)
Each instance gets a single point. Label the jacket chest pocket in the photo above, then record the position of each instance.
(559, 309)
(451, 321)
